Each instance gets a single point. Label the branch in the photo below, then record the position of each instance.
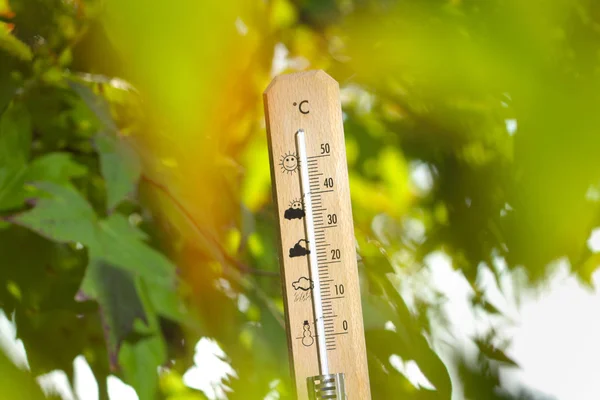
(188, 216)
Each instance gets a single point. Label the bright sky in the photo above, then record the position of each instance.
(557, 343)
(554, 335)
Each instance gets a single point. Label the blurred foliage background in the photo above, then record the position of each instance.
(135, 198)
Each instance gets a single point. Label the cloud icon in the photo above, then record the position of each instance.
(294, 213)
(303, 284)
(298, 250)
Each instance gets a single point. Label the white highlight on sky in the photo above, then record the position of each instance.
(273, 394)
(421, 177)
(593, 194)
(452, 283)
(511, 126)
(358, 97)
(243, 303)
(594, 241)
(56, 383)
(85, 385)
(556, 334)
(411, 371)
(209, 370)
(241, 27)
(117, 390)
(557, 343)
(282, 61)
(9, 344)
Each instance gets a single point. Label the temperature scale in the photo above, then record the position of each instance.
(317, 250)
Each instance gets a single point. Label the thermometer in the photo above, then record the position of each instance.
(317, 246)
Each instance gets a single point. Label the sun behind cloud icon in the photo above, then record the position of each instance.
(295, 211)
(289, 163)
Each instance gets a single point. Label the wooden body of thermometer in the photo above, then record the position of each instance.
(317, 249)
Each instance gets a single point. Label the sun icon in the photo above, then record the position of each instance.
(296, 204)
(289, 163)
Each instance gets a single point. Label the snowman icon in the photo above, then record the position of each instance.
(307, 339)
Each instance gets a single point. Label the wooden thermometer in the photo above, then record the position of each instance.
(317, 250)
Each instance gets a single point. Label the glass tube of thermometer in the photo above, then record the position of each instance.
(324, 385)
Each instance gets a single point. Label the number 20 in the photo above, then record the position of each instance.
(336, 254)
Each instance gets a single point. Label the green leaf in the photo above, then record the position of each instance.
(140, 358)
(130, 323)
(15, 144)
(9, 81)
(120, 168)
(120, 165)
(55, 337)
(14, 46)
(116, 294)
(494, 353)
(46, 273)
(11, 187)
(131, 282)
(57, 168)
(63, 216)
(95, 103)
(165, 299)
(66, 216)
(15, 136)
(120, 244)
(17, 383)
(140, 361)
